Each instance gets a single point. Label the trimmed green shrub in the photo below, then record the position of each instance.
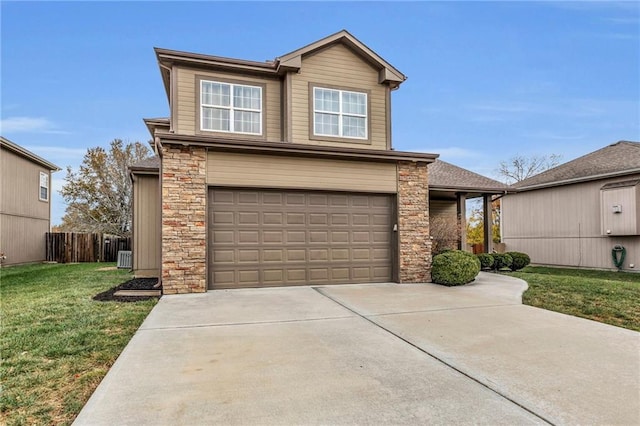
(520, 260)
(486, 260)
(501, 261)
(455, 267)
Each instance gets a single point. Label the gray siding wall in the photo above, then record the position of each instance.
(22, 239)
(146, 226)
(24, 219)
(562, 226)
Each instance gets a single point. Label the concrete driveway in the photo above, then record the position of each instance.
(369, 354)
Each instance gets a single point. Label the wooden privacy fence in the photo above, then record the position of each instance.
(71, 247)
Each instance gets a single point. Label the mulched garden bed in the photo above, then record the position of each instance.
(134, 284)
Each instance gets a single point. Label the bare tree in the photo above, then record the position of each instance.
(445, 233)
(98, 195)
(520, 167)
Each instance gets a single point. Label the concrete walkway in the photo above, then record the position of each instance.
(370, 354)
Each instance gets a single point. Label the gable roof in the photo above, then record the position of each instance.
(618, 159)
(290, 62)
(446, 176)
(17, 149)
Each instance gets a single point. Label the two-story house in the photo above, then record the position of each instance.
(280, 173)
(25, 203)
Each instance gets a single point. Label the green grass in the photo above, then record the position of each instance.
(608, 297)
(57, 343)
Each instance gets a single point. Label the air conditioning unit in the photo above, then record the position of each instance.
(124, 259)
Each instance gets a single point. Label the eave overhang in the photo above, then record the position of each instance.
(17, 149)
(576, 180)
(469, 189)
(387, 73)
(168, 58)
(292, 149)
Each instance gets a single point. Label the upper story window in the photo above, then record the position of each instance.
(227, 107)
(339, 113)
(44, 187)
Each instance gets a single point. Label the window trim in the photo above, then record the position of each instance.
(40, 186)
(340, 138)
(231, 82)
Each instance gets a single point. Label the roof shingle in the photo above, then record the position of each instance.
(617, 158)
(443, 175)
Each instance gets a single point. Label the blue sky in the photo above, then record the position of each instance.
(487, 80)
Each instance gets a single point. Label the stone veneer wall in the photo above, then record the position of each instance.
(184, 210)
(413, 223)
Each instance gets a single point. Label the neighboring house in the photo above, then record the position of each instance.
(25, 203)
(281, 173)
(576, 213)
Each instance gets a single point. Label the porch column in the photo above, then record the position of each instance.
(488, 234)
(414, 242)
(461, 208)
(184, 238)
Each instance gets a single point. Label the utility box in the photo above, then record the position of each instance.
(124, 259)
(620, 208)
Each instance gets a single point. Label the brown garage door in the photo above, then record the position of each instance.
(273, 238)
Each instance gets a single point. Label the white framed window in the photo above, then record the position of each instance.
(43, 194)
(228, 107)
(339, 113)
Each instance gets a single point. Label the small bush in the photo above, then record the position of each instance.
(486, 260)
(455, 267)
(520, 260)
(501, 261)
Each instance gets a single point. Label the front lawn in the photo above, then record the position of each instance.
(609, 297)
(57, 343)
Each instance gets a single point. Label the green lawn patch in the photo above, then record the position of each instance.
(57, 343)
(608, 297)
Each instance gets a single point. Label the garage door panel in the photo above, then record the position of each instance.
(296, 275)
(248, 255)
(224, 256)
(271, 218)
(274, 276)
(340, 255)
(318, 255)
(318, 219)
(339, 237)
(295, 199)
(318, 274)
(296, 255)
(273, 255)
(272, 198)
(359, 237)
(296, 219)
(272, 238)
(222, 237)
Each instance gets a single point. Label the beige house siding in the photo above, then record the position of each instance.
(338, 67)
(20, 187)
(22, 239)
(24, 219)
(146, 226)
(254, 170)
(562, 226)
(186, 108)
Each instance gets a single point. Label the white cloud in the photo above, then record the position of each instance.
(56, 151)
(28, 125)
